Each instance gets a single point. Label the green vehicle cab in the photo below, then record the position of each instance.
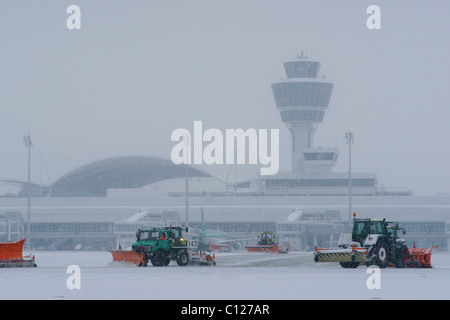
(161, 245)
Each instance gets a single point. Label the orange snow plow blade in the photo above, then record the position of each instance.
(11, 250)
(11, 255)
(219, 247)
(129, 256)
(420, 258)
(262, 248)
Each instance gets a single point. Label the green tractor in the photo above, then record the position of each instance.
(161, 245)
(372, 242)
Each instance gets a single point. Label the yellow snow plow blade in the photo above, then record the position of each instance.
(129, 256)
(341, 255)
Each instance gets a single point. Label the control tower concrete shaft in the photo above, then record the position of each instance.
(301, 100)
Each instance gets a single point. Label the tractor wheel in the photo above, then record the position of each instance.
(381, 255)
(402, 257)
(166, 262)
(182, 258)
(159, 258)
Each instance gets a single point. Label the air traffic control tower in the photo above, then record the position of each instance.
(302, 100)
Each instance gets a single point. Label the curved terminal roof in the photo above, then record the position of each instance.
(93, 180)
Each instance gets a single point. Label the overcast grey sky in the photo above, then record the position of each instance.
(137, 70)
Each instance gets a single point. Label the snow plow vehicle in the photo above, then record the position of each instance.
(266, 243)
(374, 242)
(162, 245)
(11, 255)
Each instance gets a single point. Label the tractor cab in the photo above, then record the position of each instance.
(363, 227)
(148, 235)
(392, 229)
(156, 238)
(266, 238)
(176, 236)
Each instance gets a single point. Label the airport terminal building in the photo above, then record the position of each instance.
(101, 205)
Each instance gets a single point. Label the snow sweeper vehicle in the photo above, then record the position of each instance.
(162, 245)
(266, 243)
(374, 242)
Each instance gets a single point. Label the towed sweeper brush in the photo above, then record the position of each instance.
(11, 255)
(161, 245)
(374, 242)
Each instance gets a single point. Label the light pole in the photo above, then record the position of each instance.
(349, 141)
(187, 142)
(187, 196)
(28, 144)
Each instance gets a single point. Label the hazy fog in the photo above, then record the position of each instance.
(137, 70)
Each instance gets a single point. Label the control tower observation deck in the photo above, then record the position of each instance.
(302, 100)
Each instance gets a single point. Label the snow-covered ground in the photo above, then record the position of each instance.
(240, 275)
